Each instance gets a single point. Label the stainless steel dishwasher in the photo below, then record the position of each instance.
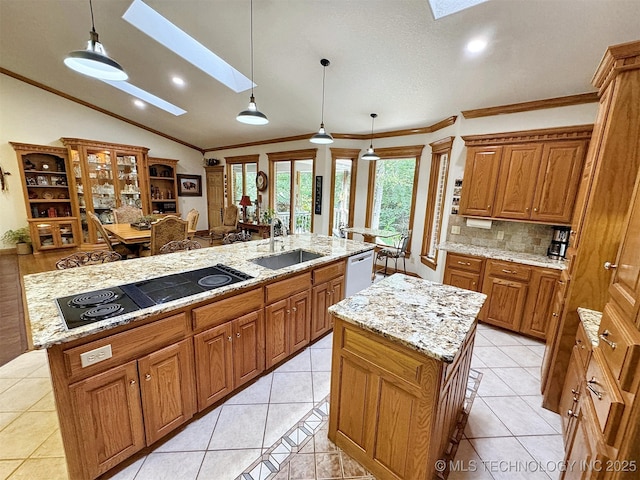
(359, 272)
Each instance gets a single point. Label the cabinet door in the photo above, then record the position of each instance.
(214, 364)
(570, 396)
(276, 332)
(552, 336)
(558, 181)
(109, 417)
(168, 391)
(321, 300)
(300, 321)
(518, 170)
(337, 294)
(542, 289)
(505, 302)
(248, 348)
(480, 178)
(462, 279)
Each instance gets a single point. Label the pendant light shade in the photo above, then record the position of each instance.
(322, 137)
(252, 116)
(93, 61)
(371, 154)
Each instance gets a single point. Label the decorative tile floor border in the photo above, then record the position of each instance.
(271, 462)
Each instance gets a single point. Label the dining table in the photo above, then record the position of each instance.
(125, 233)
(370, 234)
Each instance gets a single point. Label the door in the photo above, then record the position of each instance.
(518, 170)
(214, 364)
(337, 294)
(505, 302)
(321, 299)
(542, 288)
(276, 332)
(168, 390)
(109, 417)
(215, 195)
(248, 348)
(480, 177)
(300, 321)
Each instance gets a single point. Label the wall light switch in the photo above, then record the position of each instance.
(500, 235)
(95, 356)
(455, 230)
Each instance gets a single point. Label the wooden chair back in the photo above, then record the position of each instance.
(80, 259)
(192, 221)
(167, 230)
(179, 245)
(101, 231)
(127, 214)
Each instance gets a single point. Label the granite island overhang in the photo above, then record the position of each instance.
(401, 357)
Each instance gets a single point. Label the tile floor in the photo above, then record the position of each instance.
(507, 429)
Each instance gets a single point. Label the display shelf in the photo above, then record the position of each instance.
(163, 187)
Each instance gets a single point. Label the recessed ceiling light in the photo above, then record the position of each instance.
(148, 21)
(139, 103)
(178, 81)
(147, 97)
(476, 45)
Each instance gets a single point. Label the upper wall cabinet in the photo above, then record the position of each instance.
(531, 176)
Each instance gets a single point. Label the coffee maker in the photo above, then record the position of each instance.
(559, 243)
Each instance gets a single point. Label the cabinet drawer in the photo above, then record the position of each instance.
(224, 310)
(464, 262)
(127, 345)
(285, 288)
(620, 347)
(322, 274)
(607, 399)
(583, 345)
(508, 270)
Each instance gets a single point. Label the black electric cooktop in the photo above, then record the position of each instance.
(89, 307)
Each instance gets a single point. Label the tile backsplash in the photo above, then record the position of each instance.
(518, 236)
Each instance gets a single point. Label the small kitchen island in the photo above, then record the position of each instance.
(401, 357)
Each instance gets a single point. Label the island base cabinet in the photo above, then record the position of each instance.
(288, 327)
(323, 296)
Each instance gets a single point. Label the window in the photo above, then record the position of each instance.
(241, 175)
(291, 185)
(343, 185)
(393, 182)
(440, 153)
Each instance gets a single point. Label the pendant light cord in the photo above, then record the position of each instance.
(324, 71)
(251, 44)
(93, 28)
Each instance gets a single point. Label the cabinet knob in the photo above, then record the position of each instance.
(488, 207)
(328, 293)
(571, 413)
(604, 337)
(229, 338)
(560, 282)
(573, 232)
(238, 334)
(295, 309)
(554, 314)
(147, 377)
(610, 266)
(132, 382)
(576, 393)
(288, 312)
(535, 209)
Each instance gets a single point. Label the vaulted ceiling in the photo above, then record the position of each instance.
(387, 56)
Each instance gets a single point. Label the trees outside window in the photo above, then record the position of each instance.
(343, 184)
(241, 178)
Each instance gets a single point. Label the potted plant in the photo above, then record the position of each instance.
(21, 238)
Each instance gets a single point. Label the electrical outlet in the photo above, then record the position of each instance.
(500, 235)
(455, 230)
(95, 356)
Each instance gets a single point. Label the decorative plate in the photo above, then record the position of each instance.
(261, 181)
(47, 195)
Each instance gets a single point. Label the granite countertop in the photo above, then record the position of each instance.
(591, 321)
(499, 254)
(41, 290)
(428, 317)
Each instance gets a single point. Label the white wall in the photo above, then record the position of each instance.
(32, 115)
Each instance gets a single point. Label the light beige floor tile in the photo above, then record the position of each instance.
(171, 466)
(522, 355)
(258, 392)
(24, 394)
(324, 342)
(126, 470)
(518, 416)
(24, 364)
(7, 417)
(534, 371)
(501, 337)
(321, 385)
(52, 447)
(281, 417)
(300, 363)
(7, 382)
(530, 341)
(504, 456)
(482, 341)
(45, 404)
(239, 426)
(292, 387)
(467, 465)
(328, 465)
(41, 469)
(476, 362)
(546, 449)
(321, 359)
(7, 467)
(193, 437)
(302, 467)
(492, 386)
(26, 433)
(42, 372)
(226, 464)
(493, 357)
(537, 349)
(518, 379)
(482, 422)
(552, 418)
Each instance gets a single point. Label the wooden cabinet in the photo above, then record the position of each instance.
(163, 185)
(464, 271)
(506, 285)
(540, 302)
(531, 175)
(105, 176)
(50, 204)
(215, 194)
(328, 289)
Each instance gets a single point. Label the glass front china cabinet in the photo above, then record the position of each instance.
(106, 176)
(44, 171)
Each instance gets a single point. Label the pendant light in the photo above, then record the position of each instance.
(371, 155)
(322, 136)
(94, 61)
(252, 116)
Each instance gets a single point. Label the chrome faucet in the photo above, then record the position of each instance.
(272, 239)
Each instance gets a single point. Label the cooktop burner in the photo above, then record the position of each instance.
(85, 308)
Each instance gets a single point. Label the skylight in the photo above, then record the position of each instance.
(147, 97)
(150, 22)
(442, 8)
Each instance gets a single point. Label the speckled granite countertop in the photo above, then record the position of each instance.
(41, 290)
(498, 254)
(428, 317)
(591, 321)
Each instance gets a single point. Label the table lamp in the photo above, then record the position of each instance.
(245, 201)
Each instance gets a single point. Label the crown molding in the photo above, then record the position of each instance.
(591, 97)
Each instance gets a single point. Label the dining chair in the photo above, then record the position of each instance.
(166, 230)
(179, 245)
(229, 223)
(192, 220)
(397, 252)
(81, 259)
(127, 214)
(113, 246)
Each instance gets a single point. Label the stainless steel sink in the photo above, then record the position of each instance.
(286, 259)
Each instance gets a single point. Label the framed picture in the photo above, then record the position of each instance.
(189, 185)
(318, 202)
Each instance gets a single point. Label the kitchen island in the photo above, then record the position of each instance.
(401, 357)
(124, 382)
